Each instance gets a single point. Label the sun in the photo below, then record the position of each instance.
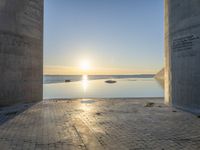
(85, 65)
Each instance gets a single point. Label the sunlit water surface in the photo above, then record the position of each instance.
(124, 88)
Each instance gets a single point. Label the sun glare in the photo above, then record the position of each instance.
(85, 65)
(85, 82)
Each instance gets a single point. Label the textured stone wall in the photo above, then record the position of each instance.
(182, 54)
(21, 51)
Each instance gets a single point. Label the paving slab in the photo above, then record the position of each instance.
(98, 124)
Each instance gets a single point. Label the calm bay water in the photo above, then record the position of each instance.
(87, 87)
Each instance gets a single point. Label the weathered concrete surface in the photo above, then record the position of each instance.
(21, 51)
(182, 54)
(114, 124)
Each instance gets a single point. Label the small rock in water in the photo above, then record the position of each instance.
(67, 80)
(98, 113)
(174, 111)
(149, 104)
(110, 81)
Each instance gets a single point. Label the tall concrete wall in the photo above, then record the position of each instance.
(182, 54)
(21, 51)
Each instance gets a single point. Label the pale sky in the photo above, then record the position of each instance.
(113, 36)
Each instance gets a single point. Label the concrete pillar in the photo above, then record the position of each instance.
(21, 51)
(167, 70)
(182, 54)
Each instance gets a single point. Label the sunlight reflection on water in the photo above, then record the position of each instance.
(124, 88)
(84, 82)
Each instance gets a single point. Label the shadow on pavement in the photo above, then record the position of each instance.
(10, 112)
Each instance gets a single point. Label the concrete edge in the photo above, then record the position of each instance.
(193, 111)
